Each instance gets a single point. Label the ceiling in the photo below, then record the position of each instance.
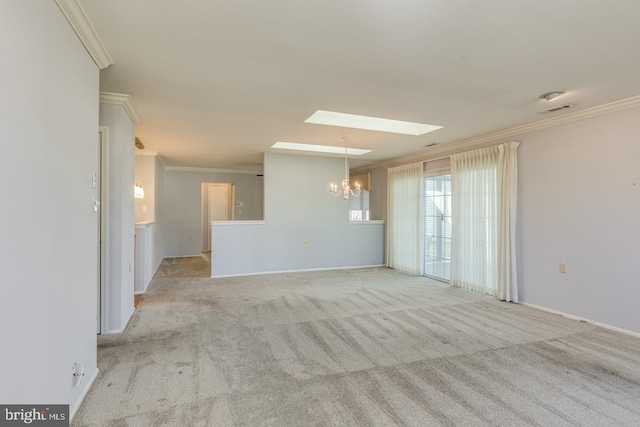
(218, 82)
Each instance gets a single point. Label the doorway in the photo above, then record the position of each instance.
(218, 200)
(438, 227)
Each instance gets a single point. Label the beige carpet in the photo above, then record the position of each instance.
(369, 347)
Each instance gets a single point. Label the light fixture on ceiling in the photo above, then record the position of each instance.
(345, 191)
(550, 96)
(138, 190)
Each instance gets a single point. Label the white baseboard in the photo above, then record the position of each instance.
(182, 256)
(582, 319)
(119, 331)
(83, 395)
(297, 271)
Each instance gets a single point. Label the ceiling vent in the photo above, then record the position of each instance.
(554, 109)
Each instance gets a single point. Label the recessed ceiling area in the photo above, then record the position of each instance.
(218, 83)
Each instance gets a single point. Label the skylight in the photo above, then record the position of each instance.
(318, 148)
(331, 118)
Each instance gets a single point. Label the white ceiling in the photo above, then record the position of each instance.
(218, 82)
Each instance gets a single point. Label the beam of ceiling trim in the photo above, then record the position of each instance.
(147, 153)
(125, 101)
(73, 11)
(472, 143)
(213, 170)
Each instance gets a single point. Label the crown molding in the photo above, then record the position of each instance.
(162, 163)
(214, 170)
(77, 18)
(447, 149)
(125, 101)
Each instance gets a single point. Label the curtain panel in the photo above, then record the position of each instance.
(405, 235)
(484, 203)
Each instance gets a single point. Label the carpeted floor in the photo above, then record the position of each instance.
(369, 347)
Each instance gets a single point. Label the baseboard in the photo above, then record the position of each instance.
(582, 319)
(139, 292)
(297, 271)
(83, 395)
(183, 256)
(119, 331)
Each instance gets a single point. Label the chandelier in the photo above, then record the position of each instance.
(344, 190)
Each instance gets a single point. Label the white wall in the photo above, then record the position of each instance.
(182, 206)
(378, 195)
(298, 207)
(120, 216)
(579, 203)
(144, 266)
(158, 240)
(145, 170)
(48, 230)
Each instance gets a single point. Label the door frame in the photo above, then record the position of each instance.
(103, 244)
(205, 211)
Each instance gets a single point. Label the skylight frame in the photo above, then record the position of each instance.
(325, 149)
(332, 118)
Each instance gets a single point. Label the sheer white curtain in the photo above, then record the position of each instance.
(484, 200)
(405, 226)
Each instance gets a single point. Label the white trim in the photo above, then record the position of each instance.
(83, 395)
(147, 153)
(238, 222)
(162, 163)
(103, 131)
(119, 331)
(125, 101)
(140, 292)
(144, 224)
(77, 18)
(213, 170)
(372, 221)
(353, 267)
(446, 149)
(181, 256)
(582, 319)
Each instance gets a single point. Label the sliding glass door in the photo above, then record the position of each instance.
(437, 197)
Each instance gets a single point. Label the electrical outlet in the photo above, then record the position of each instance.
(305, 242)
(190, 237)
(563, 267)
